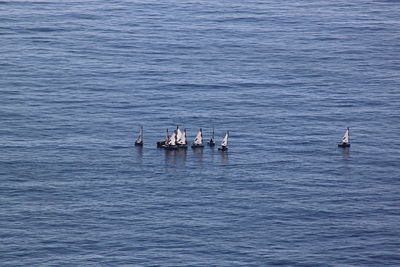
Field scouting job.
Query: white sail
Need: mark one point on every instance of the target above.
(346, 137)
(225, 140)
(181, 137)
(178, 134)
(139, 139)
(172, 139)
(199, 138)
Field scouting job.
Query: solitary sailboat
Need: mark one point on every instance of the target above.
(198, 140)
(139, 139)
(345, 139)
(211, 142)
(224, 143)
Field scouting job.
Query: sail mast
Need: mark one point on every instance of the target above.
(167, 137)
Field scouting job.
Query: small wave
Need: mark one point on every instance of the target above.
(44, 29)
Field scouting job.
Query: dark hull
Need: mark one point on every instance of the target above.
(139, 144)
(161, 144)
(197, 146)
(170, 147)
(223, 148)
(211, 143)
(343, 145)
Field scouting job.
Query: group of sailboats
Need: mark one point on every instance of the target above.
(178, 140)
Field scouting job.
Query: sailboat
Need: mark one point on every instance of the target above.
(162, 143)
(181, 139)
(224, 143)
(139, 139)
(198, 140)
(171, 143)
(345, 139)
(211, 142)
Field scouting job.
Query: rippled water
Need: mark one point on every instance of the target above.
(78, 78)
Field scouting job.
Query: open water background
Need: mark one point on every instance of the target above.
(78, 78)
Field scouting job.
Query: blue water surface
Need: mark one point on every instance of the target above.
(79, 78)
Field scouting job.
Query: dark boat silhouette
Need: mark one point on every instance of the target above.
(211, 142)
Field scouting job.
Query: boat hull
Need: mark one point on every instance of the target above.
(344, 145)
(138, 143)
(197, 146)
(223, 148)
(169, 147)
(160, 144)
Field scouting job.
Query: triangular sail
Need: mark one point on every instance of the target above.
(172, 139)
(199, 138)
(346, 137)
(178, 134)
(181, 137)
(225, 140)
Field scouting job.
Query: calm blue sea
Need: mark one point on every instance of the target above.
(78, 79)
